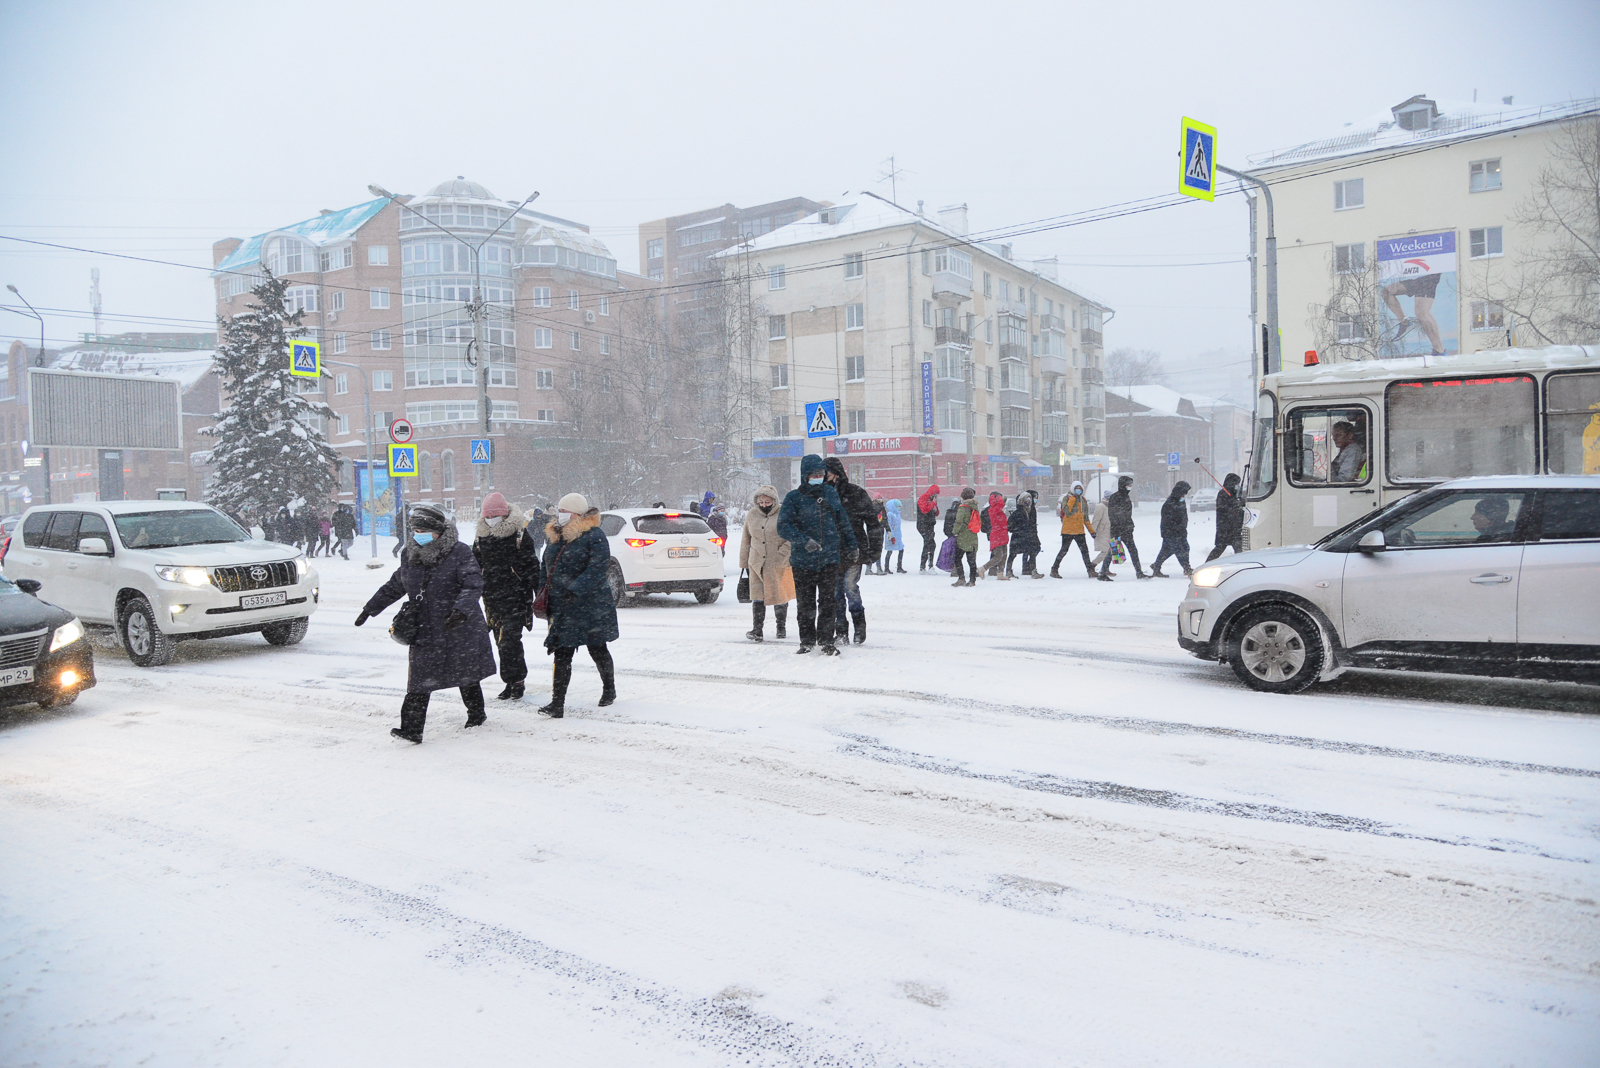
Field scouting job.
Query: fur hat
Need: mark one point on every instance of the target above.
(968, 494)
(576, 503)
(427, 517)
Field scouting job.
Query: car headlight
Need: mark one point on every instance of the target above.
(189, 576)
(302, 565)
(66, 634)
(1217, 574)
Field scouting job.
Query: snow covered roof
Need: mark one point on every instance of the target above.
(461, 187)
(1450, 121)
(842, 220)
(564, 238)
(188, 366)
(334, 227)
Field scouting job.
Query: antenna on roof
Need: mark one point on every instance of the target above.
(892, 175)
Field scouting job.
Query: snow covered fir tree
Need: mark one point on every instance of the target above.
(270, 447)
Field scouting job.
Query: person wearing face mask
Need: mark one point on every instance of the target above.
(452, 646)
(578, 595)
(510, 563)
(764, 553)
(813, 521)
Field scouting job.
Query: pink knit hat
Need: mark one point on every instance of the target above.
(495, 504)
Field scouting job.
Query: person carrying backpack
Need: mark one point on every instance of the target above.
(966, 524)
(927, 522)
(999, 536)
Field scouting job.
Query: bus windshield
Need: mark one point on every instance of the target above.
(1264, 450)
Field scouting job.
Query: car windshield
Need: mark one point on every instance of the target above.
(1359, 521)
(168, 529)
(670, 523)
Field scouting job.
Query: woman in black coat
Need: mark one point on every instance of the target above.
(452, 646)
(1174, 530)
(1024, 527)
(510, 563)
(578, 598)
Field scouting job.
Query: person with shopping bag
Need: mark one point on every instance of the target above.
(764, 555)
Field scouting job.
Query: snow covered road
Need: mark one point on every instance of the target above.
(1019, 827)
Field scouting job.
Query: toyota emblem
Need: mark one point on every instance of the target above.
(259, 573)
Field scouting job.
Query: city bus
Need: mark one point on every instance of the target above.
(1337, 441)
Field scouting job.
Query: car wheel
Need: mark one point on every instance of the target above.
(287, 633)
(1276, 649)
(707, 596)
(618, 584)
(142, 637)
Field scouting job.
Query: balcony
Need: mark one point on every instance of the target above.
(1093, 415)
(951, 287)
(1092, 337)
(1093, 376)
(1053, 365)
(1014, 352)
(1052, 322)
(1016, 398)
(1019, 446)
(952, 335)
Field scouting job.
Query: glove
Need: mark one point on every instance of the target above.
(813, 546)
(362, 618)
(455, 619)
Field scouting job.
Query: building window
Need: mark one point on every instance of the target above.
(605, 383)
(378, 298)
(339, 344)
(1483, 175)
(381, 339)
(336, 300)
(605, 305)
(652, 249)
(927, 313)
(577, 378)
(952, 417)
(425, 472)
(447, 470)
(378, 255)
(988, 379)
(1487, 315)
(334, 259)
(776, 279)
(300, 298)
(855, 316)
(544, 378)
(545, 415)
(1350, 193)
(857, 420)
(341, 384)
(1350, 329)
(1485, 242)
(574, 341)
(855, 368)
(780, 426)
(543, 337)
(988, 425)
(572, 300)
(541, 296)
(777, 327)
(854, 265)
(927, 262)
(382, 381)
(657, 275)
(988, 288)
(780, 376)
(605, 344)
(988, 330)
(344, 424)
(1349, 259)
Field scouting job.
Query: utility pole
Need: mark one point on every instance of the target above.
(44, 452)
(366, 385)
(1273, 355)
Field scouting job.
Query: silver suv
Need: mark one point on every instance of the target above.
(1480, 576)
(162, 572)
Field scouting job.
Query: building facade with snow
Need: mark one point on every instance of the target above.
(1145, 425)
(1415, 231)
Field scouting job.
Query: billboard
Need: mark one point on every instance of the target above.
(379, 510)
(1420, 313)
(81, 409)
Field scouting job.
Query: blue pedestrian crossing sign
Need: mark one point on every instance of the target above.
(305, 359)
(1199, 175)
(402, 461)
(822, 420)
(482, 451)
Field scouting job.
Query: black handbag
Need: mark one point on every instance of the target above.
(744, 587)
(408, 621)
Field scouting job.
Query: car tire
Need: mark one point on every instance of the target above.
(619, 585)
(1276, 648)
(142, 637)
(707, 596)
(289, 632)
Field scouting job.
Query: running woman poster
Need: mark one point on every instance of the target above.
(1417, 285)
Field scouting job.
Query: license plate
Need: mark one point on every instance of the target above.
(263, 600)
(678, 554)
(16, 676)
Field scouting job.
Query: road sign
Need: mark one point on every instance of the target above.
(1174, 461)
(822, 420)
(402, 461)
(1198, 177)
(482, 451)
(305, 359)
(401, 431)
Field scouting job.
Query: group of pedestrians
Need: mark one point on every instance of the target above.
(314, 532)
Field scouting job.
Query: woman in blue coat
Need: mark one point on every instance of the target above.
(581, 610)
(893, 542)
(452, 646)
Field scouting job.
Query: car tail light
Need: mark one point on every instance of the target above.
(717, 541)
(672, 515)
(640, 543)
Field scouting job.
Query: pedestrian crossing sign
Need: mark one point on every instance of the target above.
(482, 451)
(822, 420)
(1199, 174)
(305, 359)
(402, 461)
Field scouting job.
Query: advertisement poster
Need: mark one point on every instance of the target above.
(381, 507)
(1420, 315)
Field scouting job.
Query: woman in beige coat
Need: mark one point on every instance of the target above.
(766, 555)
(1102, 537)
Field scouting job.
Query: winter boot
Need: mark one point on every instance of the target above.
(758, 613)
(413, 716)
(1055, 573)
(781, 614)
(804, 648)
(830, 650)
(859, 618)
(472, 697)
(512, 692)
(900, 563)
(414, 739)
(1156, 572)
(553, 710)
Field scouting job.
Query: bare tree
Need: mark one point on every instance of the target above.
(1126, 368)
(1350, 325)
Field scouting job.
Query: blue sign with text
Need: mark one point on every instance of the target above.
(927, 398)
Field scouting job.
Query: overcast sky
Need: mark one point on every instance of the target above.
(154, 129)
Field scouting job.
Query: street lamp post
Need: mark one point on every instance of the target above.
(366, 386)
(1273, 354)
(44, 452)
(477, 307)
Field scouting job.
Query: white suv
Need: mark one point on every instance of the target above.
(1480, 576)
(653, 551)
(163, 572)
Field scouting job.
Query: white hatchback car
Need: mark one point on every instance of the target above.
(655, 551)
(1480, 576)
(161, 572)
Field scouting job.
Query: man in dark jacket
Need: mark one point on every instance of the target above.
(1230, 518)
(510, 564)
(1174, 530)
(813, 521)
(1119, 513)
(867, 531)
(577, 566)
(344, 529)
(1024, 525)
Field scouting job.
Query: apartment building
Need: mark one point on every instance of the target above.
(385, 287)
(1407, 233)
(951, 360)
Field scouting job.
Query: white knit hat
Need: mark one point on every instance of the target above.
(576, 503)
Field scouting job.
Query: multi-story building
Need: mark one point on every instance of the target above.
(1147, 426)
(1416, 231)
(682, 248)
(950, 360)
(386, 286)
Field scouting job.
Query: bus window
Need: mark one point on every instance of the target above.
(1327, 446)
(1458, 427)
(1264, 451)
(1572, 424)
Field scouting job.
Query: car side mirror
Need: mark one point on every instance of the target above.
(32, 586)
(94, 547)
(1372, 542)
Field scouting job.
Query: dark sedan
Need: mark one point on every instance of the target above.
(45, 657)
